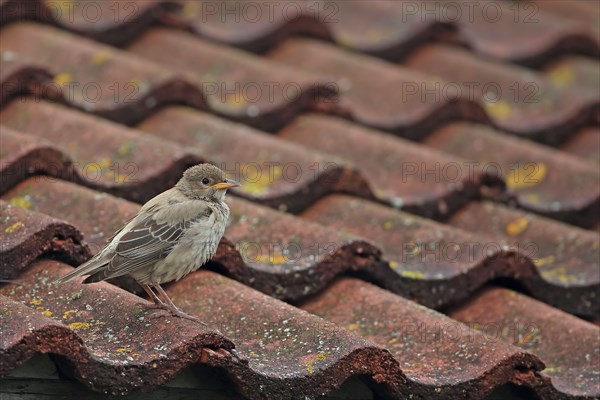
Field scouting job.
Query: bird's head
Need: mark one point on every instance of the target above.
(205, 181)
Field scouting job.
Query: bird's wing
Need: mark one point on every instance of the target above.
(145, 243)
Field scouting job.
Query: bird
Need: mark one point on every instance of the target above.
(173, 234)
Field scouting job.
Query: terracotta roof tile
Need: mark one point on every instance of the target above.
(103, 215)
(567, 345)
(22, 155)
(565, 256)
(110, 351)
(528, 33)
(273, 172)
(538, 178)
(237, 84)
(108, 21)
(255, 26)
(291, 353)
(105, 154)
(430, 94)
(26, 235)
(288, 257)
(98, 78)
(516, 99)
(441, 357)
(525, 33)
(402, 174)
(575, 72)
(436, 264)
(364, 84)
(19, 76)
(585, 144)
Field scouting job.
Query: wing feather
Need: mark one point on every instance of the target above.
(146, 243)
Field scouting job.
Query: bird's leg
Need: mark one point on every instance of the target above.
(172, 307)
(158, 303)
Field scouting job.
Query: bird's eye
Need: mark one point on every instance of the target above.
(205, 181)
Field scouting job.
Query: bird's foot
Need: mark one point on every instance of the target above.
(178, 313)
(164, 310)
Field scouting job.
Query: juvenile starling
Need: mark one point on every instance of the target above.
(172, 235)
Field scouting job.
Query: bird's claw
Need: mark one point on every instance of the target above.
(165, 311)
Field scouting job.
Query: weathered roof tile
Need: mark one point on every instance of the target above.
(567, 345)
(537, 178)
(525, 33)
(22, 155)
(237, 84)
(108, 21)
(441, 357)
(516, 99)
(437, 265)
(430, 94)
(574, 72)
(290, 352)
(113, 352)
(27, 235)
(585, 144)
(98, 78)
(402, 174)
(105, 154)
(565, 256)
(530, 33)
(274, 172)
(364, 84)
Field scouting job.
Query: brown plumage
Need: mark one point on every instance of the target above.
(172, 235)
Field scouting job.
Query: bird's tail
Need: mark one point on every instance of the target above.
(91, 266)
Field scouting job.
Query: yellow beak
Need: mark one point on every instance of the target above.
(229, 183)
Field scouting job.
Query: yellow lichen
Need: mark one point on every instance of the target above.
(526, 175)
(14, 227)
(559, 274)
(551, 369)
(275, 259)
(562, 75)
(412, 274)
(21, 202)
(125, 149)
(236, 100)
(47, 313)
(392, 340)
(310, 367)
(101, 57)
(388, 225)
(517, 226)
(63, 78)
(259, 184)
(123, 350)
(352, 327)
(190, 9)
(35, 302)
(393, 264)
(544, 261)
(68, 313)
(499, 109)
(79, 325)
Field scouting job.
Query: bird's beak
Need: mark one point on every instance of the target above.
(229, 183)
